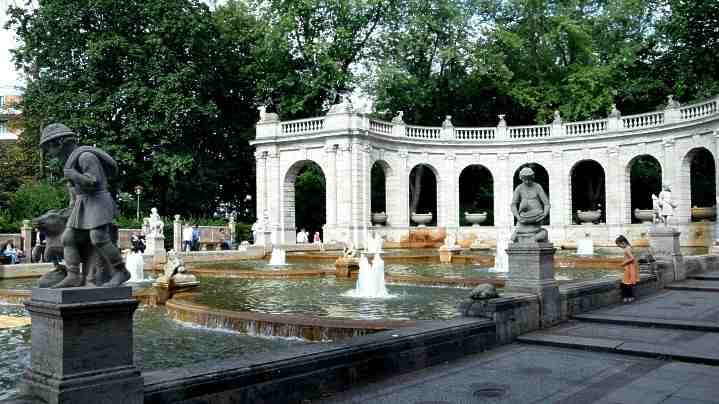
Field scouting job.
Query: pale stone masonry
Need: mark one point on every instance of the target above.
(346, 144)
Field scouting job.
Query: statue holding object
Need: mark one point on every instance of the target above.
(86, 238)
(663, 205)
(530, 205)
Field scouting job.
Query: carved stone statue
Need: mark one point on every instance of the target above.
(663, 205)
(530, 206)
(157, 227)
(87, 233)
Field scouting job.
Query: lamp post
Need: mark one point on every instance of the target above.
(138, 191)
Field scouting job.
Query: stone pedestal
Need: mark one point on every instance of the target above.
(26, 235)
(82, 348)
(531, 270)
(177, 234)
(346, 266)
(156, 247)
(664, 244)
(446, 254)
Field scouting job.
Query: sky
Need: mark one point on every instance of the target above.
(9, 78)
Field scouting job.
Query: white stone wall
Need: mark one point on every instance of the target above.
(346, 145)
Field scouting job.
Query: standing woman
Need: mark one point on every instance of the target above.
(631, 271)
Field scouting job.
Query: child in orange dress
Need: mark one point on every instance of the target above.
(631, 272)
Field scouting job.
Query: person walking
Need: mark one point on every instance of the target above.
(631, 271)
(187, 239)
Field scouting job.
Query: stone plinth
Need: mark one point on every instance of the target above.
(156, 247)
(82, 348)
(446, 253)
(664, 244)
(531, 270)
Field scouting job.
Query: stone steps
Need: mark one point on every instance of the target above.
(706, 326)
(695, 285)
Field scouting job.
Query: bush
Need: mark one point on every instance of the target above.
(29, 201)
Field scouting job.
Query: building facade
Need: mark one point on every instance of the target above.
(346, 144)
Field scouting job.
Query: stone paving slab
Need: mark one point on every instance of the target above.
(535, 374)
(712, 326)
(685, 345)
(695, 284)
(669, 305)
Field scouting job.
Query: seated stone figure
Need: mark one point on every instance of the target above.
(530, 205)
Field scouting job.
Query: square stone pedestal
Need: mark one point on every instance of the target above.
(531, 270)
(664, 244)
(82, 348)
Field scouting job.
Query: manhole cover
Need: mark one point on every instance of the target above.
(535, 370)
(489, 390)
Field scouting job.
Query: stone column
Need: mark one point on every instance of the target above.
(331, 191)
(450, 194)
(614, 191)
(681, 194)
(531, 270)
(403, 192)
(177, 234)
(26, 235)
(274, 196)
(82, 348)
(560, 215)
(344, 190)
(261, 183)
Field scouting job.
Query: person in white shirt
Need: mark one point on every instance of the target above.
(187, 238)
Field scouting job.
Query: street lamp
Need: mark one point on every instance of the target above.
(138, 191)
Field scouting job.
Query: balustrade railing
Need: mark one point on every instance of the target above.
(586, 128)
(699, 110)
(303, 126)
(529, 132)
(381, 127)
(498, 133)
(648, 120)
(475, 133)
(423, 132)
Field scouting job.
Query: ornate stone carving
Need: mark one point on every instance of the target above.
(530, 205)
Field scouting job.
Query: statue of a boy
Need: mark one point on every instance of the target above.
(87, 171)
(530, 206)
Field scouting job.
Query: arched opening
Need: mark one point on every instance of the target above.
(702, 181)
(379, 173)
(645, 179)
(541, 177)
(476, 194)
(305, 198)
(588, 192)
(423, 192)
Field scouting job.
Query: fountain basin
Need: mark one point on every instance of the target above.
(704, 214)
(422, 219)
(589, 216)
(646, 216)
(476, 218)
(379, 218)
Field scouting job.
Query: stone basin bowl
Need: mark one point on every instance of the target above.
(476, 218)
(644, 215)
(379, 218)
(589, 216)
(421, 218)
(704, 214)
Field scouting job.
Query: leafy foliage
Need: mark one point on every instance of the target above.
(31, 200)
(310, 199)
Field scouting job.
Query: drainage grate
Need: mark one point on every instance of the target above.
(489, 390)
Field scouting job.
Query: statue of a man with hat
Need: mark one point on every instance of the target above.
(92, 207)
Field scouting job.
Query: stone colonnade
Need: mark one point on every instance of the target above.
(345, 145)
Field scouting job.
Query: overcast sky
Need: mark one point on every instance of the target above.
(9, 79)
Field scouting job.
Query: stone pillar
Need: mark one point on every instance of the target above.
(614, 191)
(664, 244)
(177, 234)
(261, 183)
(331, 191)
(403, 192)
(531, 270)
(560, 198)
(450, 194)
(82, 348)
(26, 235)
(275, 197)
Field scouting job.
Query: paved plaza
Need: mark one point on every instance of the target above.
(661, 349)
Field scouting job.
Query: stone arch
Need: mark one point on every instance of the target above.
(288, 200)
(541, 176)
(476, 196)
(696, 185)
(643, 177)
(380, 174)
(587, 185)
(428, 182)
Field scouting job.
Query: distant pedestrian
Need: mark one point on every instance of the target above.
(317, 239)
(187, 239)
(195, 237)
(631, 271)
(10, 252)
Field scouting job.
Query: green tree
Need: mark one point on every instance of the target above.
(310, 197)
(155, 83)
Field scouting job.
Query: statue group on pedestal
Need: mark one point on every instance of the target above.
(663, 205)
(84, 229)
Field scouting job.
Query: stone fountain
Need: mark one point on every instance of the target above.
(370, 280)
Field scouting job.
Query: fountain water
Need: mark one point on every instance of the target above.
(370, 281)
(278, 257)
(374, 244)
(136, 266)
(585, 246)
(501, 259)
